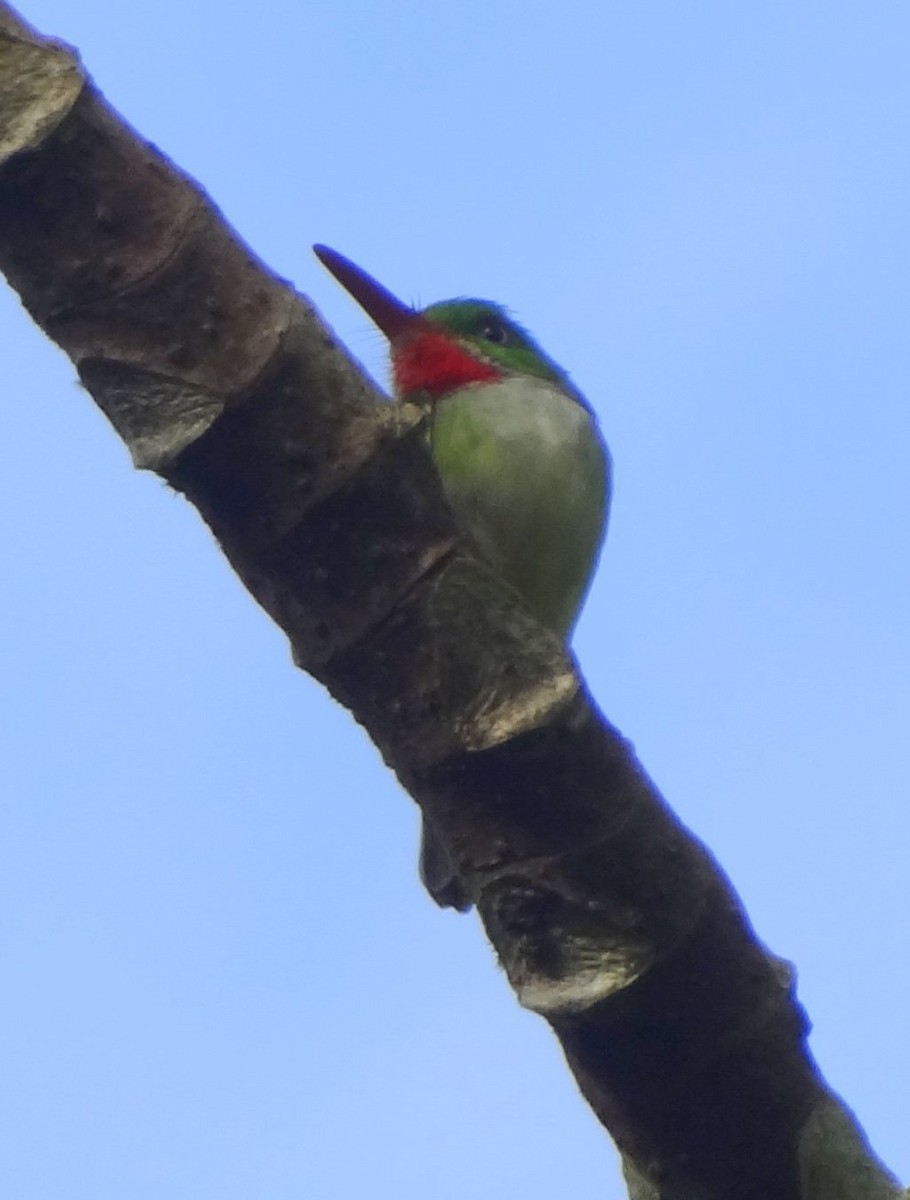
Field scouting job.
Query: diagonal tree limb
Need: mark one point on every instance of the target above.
(610, 919)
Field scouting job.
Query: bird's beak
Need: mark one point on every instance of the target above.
(388, 312)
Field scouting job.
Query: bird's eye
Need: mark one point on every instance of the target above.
(492, 331)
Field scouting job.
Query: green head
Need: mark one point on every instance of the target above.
(487, 330)
(448, 345)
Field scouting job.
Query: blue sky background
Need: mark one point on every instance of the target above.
(220, 976)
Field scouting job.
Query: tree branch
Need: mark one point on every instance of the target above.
(609, 918)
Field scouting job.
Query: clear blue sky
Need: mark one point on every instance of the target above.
(220, 976)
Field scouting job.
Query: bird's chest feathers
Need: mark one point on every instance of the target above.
(524, 470)
(487, 438)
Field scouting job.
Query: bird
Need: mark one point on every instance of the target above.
(523, 464)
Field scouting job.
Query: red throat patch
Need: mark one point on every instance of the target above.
(432, 362)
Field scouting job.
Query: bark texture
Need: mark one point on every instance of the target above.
(611, 920)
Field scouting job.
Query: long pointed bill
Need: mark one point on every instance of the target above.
(388, 312)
